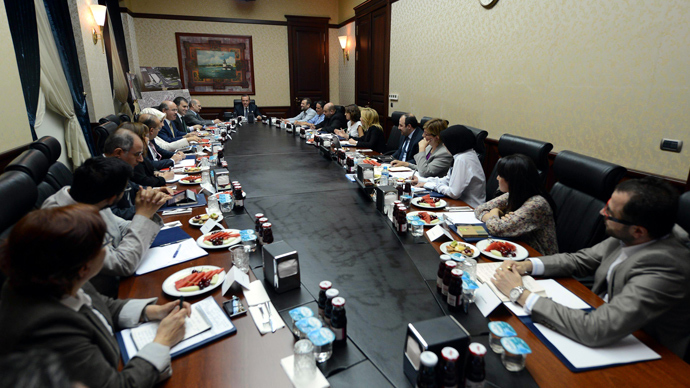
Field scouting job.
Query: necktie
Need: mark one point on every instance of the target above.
(154, 152)
(246, 112)
(403, 156)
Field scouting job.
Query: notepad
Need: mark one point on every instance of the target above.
(195, 324)
(485, 271)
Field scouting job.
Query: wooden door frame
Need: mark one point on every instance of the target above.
(306, 21)
(361, 10)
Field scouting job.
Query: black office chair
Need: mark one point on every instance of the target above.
(31, 162)
(239, 102)
(19, 194)
(424, 121)
(102, 132)
(50, 147)
(58, 176)
(394, 136)
(479, 146)
(44, 190)
(536, 150)
(112, 118)
(584, 184)
(684, 211)
(124, 118)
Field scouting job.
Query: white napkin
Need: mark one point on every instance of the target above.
(319, 381)
(258, 318)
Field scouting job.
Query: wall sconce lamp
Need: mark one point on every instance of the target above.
(343, 44)
(98, 12)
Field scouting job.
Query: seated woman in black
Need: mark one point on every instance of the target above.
(373, 132)
(48, 302)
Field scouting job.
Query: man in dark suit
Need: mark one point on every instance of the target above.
(173, 129)
(410, 136)
(182, 108)
(192, 117)
(334, 119)
(246, 108)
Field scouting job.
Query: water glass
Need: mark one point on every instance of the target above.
(515, 353)
(199, 148)
(323, 343)
(227, 201)
(240, 258)
(304, 367)
(205, 177)
(212, 205)
(469, 266)
(417, 228)
(297, 314)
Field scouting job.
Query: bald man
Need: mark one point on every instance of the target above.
(334, 119)
(192, 117)
(171, 130)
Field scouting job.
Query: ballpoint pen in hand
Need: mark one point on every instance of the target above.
(181, 301)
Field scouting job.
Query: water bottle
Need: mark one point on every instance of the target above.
(384, 176)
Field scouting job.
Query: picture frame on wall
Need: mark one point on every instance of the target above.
(216, 64)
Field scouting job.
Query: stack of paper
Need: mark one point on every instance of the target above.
(197, 323)
(164, 256)
(485, 272)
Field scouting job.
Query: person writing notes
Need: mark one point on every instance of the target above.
(465, 180)
(526, 210)
(48, 302)
(373, 137)
(433, 158)
(642, 272)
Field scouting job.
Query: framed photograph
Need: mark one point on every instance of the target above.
(216, 64)
(160, 78)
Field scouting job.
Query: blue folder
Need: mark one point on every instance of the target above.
(200, 201)
(170, 236)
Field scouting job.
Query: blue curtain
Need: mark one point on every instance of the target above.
(61, 25)
(21, 16)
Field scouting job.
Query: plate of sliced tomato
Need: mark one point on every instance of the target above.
(427, 218)
(191, 180)
(219, 239)
(194, 280)
(502, 250)
(428, 202)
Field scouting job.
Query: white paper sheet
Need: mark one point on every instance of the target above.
(462, 218)
(401, 174)
(256, 293)
(195, 324)
(627, 350)
(176, 178)
(485, 299)
(186, 163)
(436, 232)
(264, 328)
(319, 381)
(161, 257)
(235, 275)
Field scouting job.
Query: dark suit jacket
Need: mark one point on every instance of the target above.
(192, 118)
(180, 126)
(166, 133)
(143, 175)
(165, 161)
(239, 110)
(330, 124)
(124, 208)
(373, 138)
(412, 147)
(89, 352)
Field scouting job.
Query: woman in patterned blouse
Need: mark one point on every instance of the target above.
(525, 210)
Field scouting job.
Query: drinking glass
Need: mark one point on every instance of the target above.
(240, 258)
(305, 363)
(417, 228)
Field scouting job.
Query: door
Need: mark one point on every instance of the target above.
(308, 58)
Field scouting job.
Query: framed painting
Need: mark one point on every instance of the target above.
(216, 64)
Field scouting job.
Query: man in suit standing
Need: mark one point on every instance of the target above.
(192, 117)
(333, 120)
(642, 272)
(246, 107)
(411, 135)
(182, 108)
(172, 130)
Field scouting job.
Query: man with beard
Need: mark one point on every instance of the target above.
(642, 272)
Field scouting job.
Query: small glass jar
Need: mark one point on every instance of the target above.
(307, 325)
(322, 338)
(262, 221)
(267, 233)
(297, 314)
(499, 330)
(417, 228)
(257, 222)
(515, 353)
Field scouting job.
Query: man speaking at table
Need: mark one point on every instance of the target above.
(642, 271)
(246, 107)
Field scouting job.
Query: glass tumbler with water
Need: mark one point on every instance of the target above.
(322, 339)
(305, 365)
(240, 258)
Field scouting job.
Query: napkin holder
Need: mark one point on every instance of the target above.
(365, 171)
(281, 266)
(289, 127)
(381, 193)
(433, 335)
(303, 133)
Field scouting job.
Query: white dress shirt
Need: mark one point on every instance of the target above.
(465, 180)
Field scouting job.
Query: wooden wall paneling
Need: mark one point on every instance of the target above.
(212, 113)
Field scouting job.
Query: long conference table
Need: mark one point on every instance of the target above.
(387, 280)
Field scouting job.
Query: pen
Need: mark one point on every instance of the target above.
(177, 251)
(181, 300)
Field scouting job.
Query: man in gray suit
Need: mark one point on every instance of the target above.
(642, 272)
(192, 117)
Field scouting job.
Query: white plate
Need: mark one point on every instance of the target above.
(439, 205)
(169, 283)
(219, 219)
(434, 222)
(520, 253)
(188, 183)
(193, 173)
(200, 241)
(176, 178)
(444, 249)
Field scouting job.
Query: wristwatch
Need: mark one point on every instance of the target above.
(516, 293)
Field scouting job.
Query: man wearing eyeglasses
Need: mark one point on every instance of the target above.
(642, 272)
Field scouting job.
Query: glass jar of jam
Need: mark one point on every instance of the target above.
(440, 273)
(257, 222)
(407, 190)
(350, 164)
(450, 265)
(267, 233)
(239, 196)
(454, 298)
(323, 287)
(262, 221)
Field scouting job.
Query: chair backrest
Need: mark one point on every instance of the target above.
(684, 211)
(584, 184)
(59, 176)
(112, 118)
(423, 121)
(102, 132)
(394, 136)
(239, 102)
(31, 162)
(341, 109)
(44, 190)
(479, 146)
(536, 150)
(18, 192)
(124, 118)
(50, 147)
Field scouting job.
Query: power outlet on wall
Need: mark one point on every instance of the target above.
(671, 145)
(393, 96)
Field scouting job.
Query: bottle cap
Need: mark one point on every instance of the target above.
(450, 354)
(325, 285)
(338, 302)
(259, 215)
(444, 257)
(428, 359)
(262, 220)
(457, 273)
(451, 264)
(332, 293)
(266, 225)
(477, 349)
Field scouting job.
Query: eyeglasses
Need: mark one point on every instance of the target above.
(138, 154)
(608, 216)
(426, 134)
